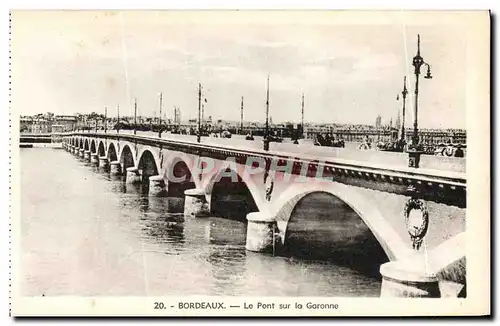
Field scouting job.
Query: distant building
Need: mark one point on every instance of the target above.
(58, 128)
(378, 122)
(41, 126)
(177, 115)
(25, 124)
(68, 122)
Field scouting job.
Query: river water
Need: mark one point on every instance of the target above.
(85, 233)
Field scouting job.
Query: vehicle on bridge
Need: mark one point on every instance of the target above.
(392, 146)
(449, 149)
(328, 141)
(274, 138)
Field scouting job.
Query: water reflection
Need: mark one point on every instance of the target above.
(133, 189)
(225, 253)
(221, 231)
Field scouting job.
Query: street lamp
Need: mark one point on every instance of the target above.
(415, 150)
(241, 117)
(198, 138)
(266, 136)
(135, 116)
(418, 62)
(161, 100)
(403, 131)
(118, 119)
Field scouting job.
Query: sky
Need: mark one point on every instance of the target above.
(350, 70)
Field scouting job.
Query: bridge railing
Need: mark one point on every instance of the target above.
(307, 147)
(449, 185)
(226, 144)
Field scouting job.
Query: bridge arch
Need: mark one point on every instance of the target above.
(86, 144)
(101, 149)
(147, 164)
(232, 194)
(92, 146)
(80, 143)
(178, 170)
(155, 151)
(126, 157)
(350, 219)
(112, 152)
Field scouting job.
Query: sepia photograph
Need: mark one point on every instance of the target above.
(244, 163)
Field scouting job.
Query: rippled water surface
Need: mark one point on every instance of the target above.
(85, 233)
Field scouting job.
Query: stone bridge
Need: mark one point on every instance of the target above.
(406, 223)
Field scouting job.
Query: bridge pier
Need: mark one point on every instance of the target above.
(115, 168)
(260, 232)
(74, 150)
(86, 155)
(94, 158)
(157, 186)
(133, 175)
(195, 203)
(80, 152)
(399, 280)
(103, 162)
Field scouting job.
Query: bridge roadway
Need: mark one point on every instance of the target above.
(306, 146)
(369, 197)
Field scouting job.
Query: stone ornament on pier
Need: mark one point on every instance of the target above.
(86, 155)
(133, 175)
(260, 232)
(157, 186)
(115, 168)
(195, 203)
(81, 152)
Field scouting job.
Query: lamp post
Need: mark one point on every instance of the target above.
(302, 117)
(203, 111)
(404, 93)
(198, 138)
(135, 116)
(118, 117)
(161, 99)
(105, 119)
(241, 117)
(266, 136)
(415, 151)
